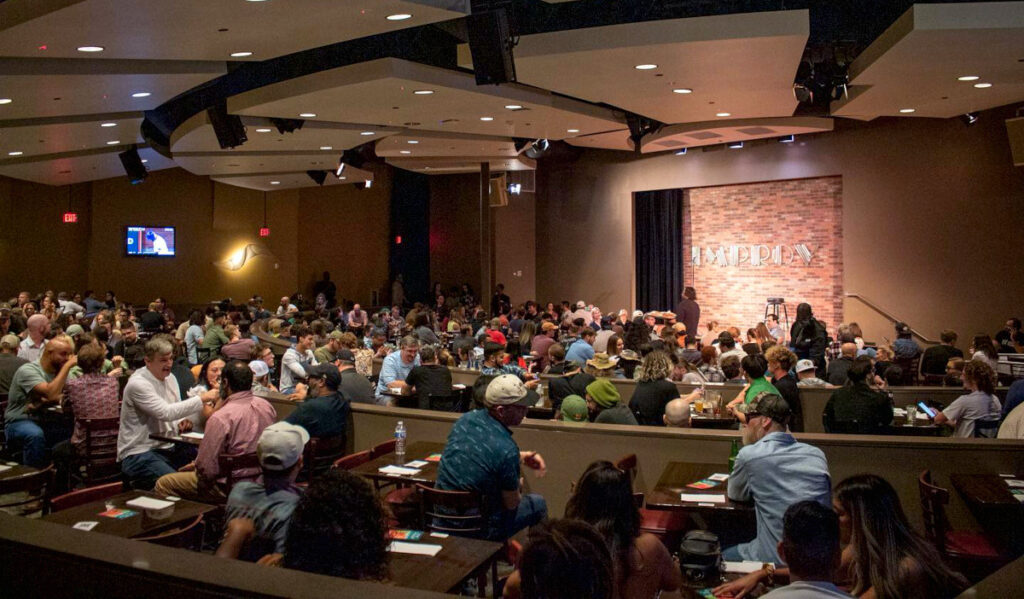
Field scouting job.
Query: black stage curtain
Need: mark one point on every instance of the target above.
(658, 229)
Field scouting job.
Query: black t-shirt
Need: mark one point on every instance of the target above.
(935, 358)
(790, 392)
(649, 400)
(152, 322)
(323, 416)
(432, 379)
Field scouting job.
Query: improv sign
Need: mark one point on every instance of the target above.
(799, 254)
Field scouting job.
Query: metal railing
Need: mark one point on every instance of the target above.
(888, 315)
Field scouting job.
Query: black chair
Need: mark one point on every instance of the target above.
(446, 403)
(986, 429)
(31, 487)
(320, 454)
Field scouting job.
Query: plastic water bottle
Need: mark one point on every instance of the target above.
(400, 439)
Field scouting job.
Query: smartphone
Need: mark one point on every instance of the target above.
(926, 409)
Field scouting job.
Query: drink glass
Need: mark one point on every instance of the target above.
(699, 406)
(911, 415)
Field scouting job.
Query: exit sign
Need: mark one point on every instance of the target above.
(71, 217)
(264, 231)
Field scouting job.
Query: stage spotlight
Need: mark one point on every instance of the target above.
(133, 166)
(318, 177)
(538, 149)
(681, 152)
(970, 118)
(228, 128)
(787, 139)
(287, 125)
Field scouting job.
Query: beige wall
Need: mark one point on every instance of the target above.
(929, 211)
(514, 247)
(454, 231)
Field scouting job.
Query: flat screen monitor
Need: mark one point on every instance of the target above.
(149, 241)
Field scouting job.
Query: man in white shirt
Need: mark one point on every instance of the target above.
(32, 346)
(69, 307)
(296, 358)
(152, 405)
(357, 317)
(286, 307)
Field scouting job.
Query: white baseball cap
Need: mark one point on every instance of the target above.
(259, 368)
(281, 445)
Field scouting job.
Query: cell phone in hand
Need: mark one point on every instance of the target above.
(927, 410)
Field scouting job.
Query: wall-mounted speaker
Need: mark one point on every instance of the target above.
(133, 166)
(490, 43)
(228, 128)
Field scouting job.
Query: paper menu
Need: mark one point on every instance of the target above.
(416, 464)
(701, 498)
(148, 503)
(398, 470)
(1015, 483)
(743, 567)
(414, 548)
(719, 477)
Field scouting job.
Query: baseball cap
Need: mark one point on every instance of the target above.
(5, 307)
(804, 365)
(259, 368)
(336, 334)
(280, 445)
(574, 409)
(345, 355)
(506, 390)
(10, 341)
(771, 405)
(328, 372)
(603, 392)
(548, 326)
(74, 330)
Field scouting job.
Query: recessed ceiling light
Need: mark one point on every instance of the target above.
(113, 143)
(645, 67)
(240, 54)
(982, 85)
(263, 129)
(90, 48)
(682, 90)
(404, 152)
(968, 78)
(414, 141)
(108, 125)
(15, 153)
(399, 16)
(272, 182)
(423, 92)
(367, 133)
(307, 115)
(326, 147)
(573, 130)
(514, 107)
(487, 118)
(5, 100)
(723, 114)
(907, 110)
(141, 95)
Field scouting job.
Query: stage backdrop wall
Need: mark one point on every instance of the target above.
(745, 243)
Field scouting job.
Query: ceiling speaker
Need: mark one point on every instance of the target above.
(490, 43)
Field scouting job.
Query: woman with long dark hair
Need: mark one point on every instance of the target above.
(984, 349)
(603, 498)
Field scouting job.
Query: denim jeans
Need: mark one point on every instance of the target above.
(732, 554)
(532, 510)
(143, 469)
(34, 440)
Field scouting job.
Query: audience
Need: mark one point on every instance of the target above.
(215, 336)
(295, 360)
(653, 390)
(9, 361)
(806, 375)
(429, 378)
(563, 559)
(35, 386)
(808, 338)
(396, 368)
(754, 367)
(780, 362)
(31, 347)
(856, 407)
(838, 368)
(980, 404)
(91, 395)
(574, 409)
(810, 546)
(582, 350)
(936, 357)
(324, 411)
(480, 455)
(982, 348)
(605, 407)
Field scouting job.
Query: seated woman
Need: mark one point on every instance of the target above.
(709, 365)
(979, 404)
(883, 556)
(563, 559)
(208, 388)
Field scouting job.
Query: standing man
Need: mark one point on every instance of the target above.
(152, 405)
(481, 456)
(35, 386)
(238, 420)
(688, 312)
(500, 303)
(774, 471)
(396, 368)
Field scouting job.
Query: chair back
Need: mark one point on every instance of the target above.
(627, 464)
(446, 403)
(31, 487)
(189, 536)
(933, 510)
(458, 512)
(986, 429)
(99, 450)
(320, 453)
(238, 467)
(910, 367)
(382, 449)
(82, 496)
(352, 460)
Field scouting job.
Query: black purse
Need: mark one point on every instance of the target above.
(700, 557)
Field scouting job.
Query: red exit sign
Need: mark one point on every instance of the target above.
(71, 217)
(264, 231)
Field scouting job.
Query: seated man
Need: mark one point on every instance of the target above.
(677, 411)
(396, 367)
(34, 387)
(238, 419)
(326, 353)
(296, 358)
(9, 361)
(807, 376)
(130, 347)
(481, 456)
(215, 336)
(429, 378)
(582, 350)
(354, 387)
(152, 404)
(324, 412)
(838, 368)
(258, 512)
(937, 356)
(857, 408)
(605, 407)
(774, 471)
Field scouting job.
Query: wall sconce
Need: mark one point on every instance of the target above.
(242, 256)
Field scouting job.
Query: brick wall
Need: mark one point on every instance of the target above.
(760, 240)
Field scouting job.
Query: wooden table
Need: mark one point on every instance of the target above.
(995, 508)
(138, 525)
(905, 430)
(418, 450)
(459, 558)
(190, 441)
(714, 422)
(16, 470)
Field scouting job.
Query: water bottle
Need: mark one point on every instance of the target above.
(400, 439)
